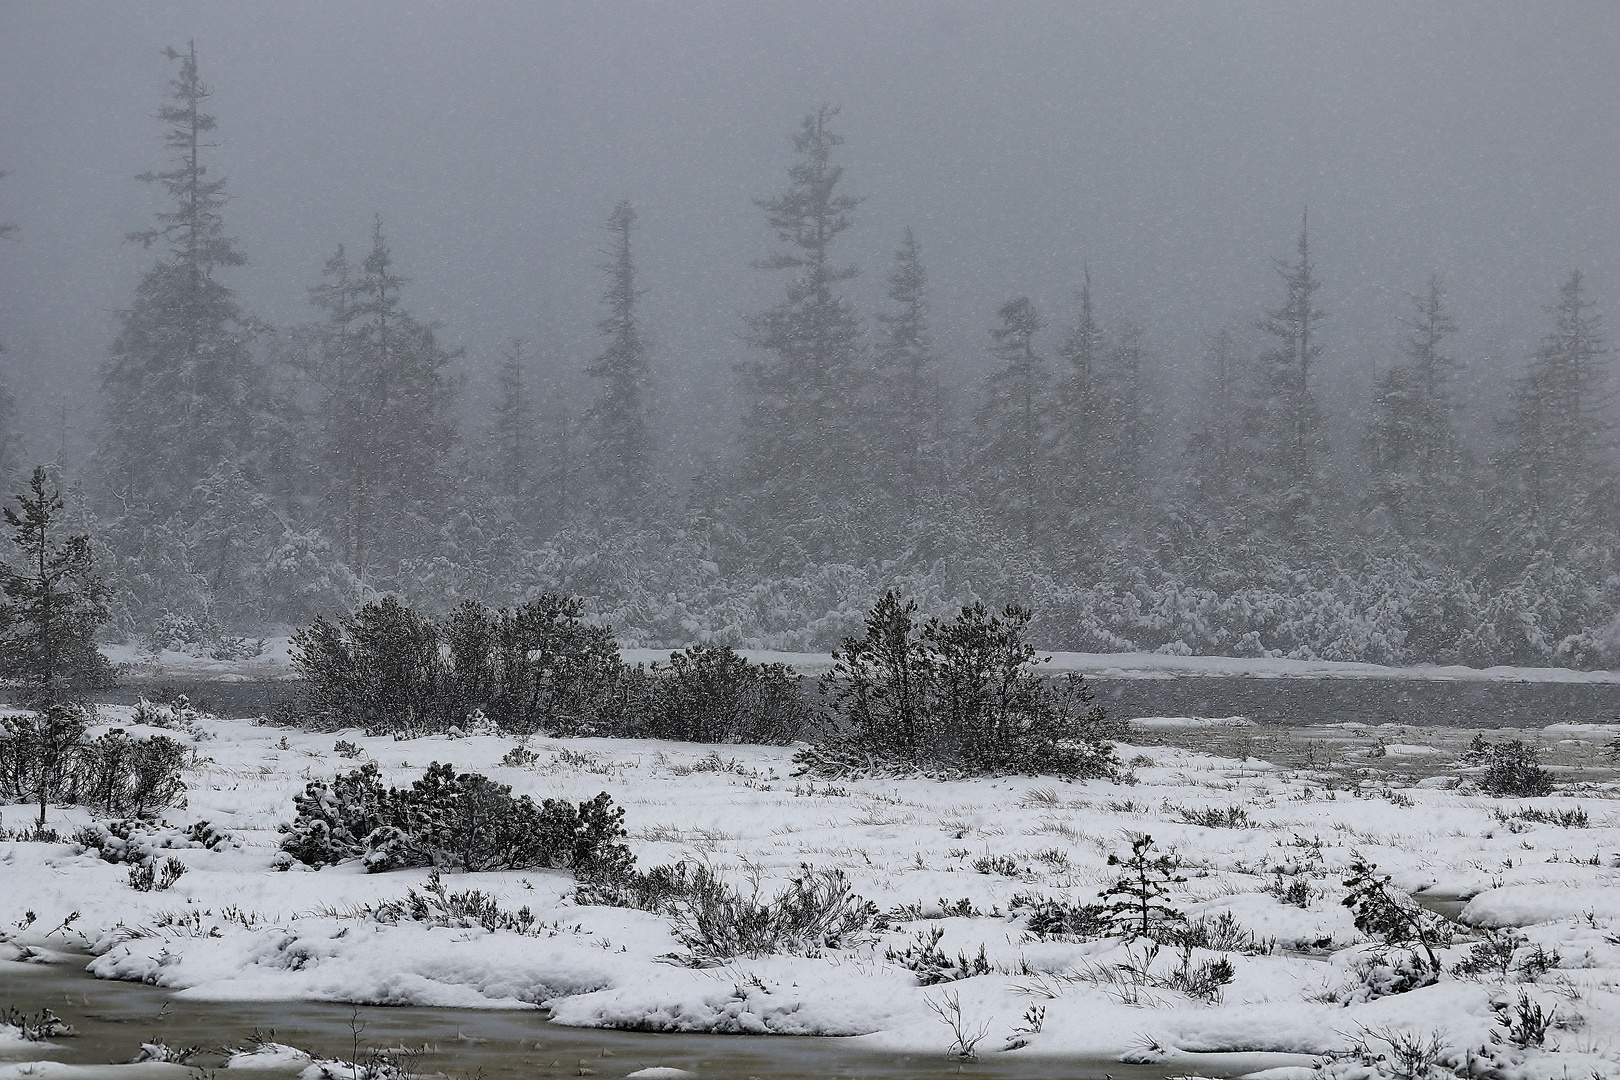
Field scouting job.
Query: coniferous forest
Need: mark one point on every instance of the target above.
(248, 477)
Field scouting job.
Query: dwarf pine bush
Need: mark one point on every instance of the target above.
(710, 694)
(462, 821)
(958, 693)
(1511, 769)
(537, 667)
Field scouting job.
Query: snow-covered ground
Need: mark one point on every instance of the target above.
(273, 661)
(235, 927)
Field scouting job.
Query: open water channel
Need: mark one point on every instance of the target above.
(113, 1019)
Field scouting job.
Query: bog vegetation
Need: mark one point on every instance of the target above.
(249, 477)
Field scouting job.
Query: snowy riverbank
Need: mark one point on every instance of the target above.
(234, 927)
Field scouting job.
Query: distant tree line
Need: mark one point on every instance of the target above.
(247, 476)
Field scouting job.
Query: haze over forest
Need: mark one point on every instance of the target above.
(1169, 151)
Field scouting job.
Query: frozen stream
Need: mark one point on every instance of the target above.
(113, 1019)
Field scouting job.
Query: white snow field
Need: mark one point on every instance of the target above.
(1306, 983)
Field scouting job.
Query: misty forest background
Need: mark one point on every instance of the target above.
(242, 477)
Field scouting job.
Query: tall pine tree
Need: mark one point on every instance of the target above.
(1558, 439)
(183, 394)
(1418, 456)
(1283, 421)
(620, 448)
(802, 435)
(385, 408)
(1014, 419)
(1078, 415)
(906, 394)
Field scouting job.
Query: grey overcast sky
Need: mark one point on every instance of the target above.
(1169, 146)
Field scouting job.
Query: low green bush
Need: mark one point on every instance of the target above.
(461, 821)
(961, 695)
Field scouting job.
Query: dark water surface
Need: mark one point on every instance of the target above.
(1420, 702)
(114, 1018)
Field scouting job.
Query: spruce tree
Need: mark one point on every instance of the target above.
(1558, 438)
(1078, 416)
(54, 603)
(1283, 421)
(620, 448)
(802, 431)
(906, 390)
(183, 393)
(385, 410)
(1418, 456)
(1013, 421)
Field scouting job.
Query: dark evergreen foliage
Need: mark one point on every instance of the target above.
(1283, 421)
(462, 821)
(709, 694)
(802, 437)
(1511, 769)
(959, 693)
(53, 603)
(1135, 906)
(121, 776)
(39, 752)
(1418, 457)
(1014, 420)
(383, 408)
(182, 390)
(1390, 916)
(906, 409)
(621, 443)
(228, 505)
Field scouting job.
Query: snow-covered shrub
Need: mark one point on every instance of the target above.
(930, 962)
(1511, 769)
(1059, 921)
(519, 757)
(1390, 916)
(122, 776)
(178, 715)
(138, 843)
(447, 819)
(1379, 971)
(715, 921)
(435, 905)
(333, 820)
(1218, 933)
(37, 1027)
(539, 667)
(818, 910)
(160, 1051)
(152, 876)
(961, 693)
(38, 754)
(205, 834)
(1524, 1022)
(710, 694)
